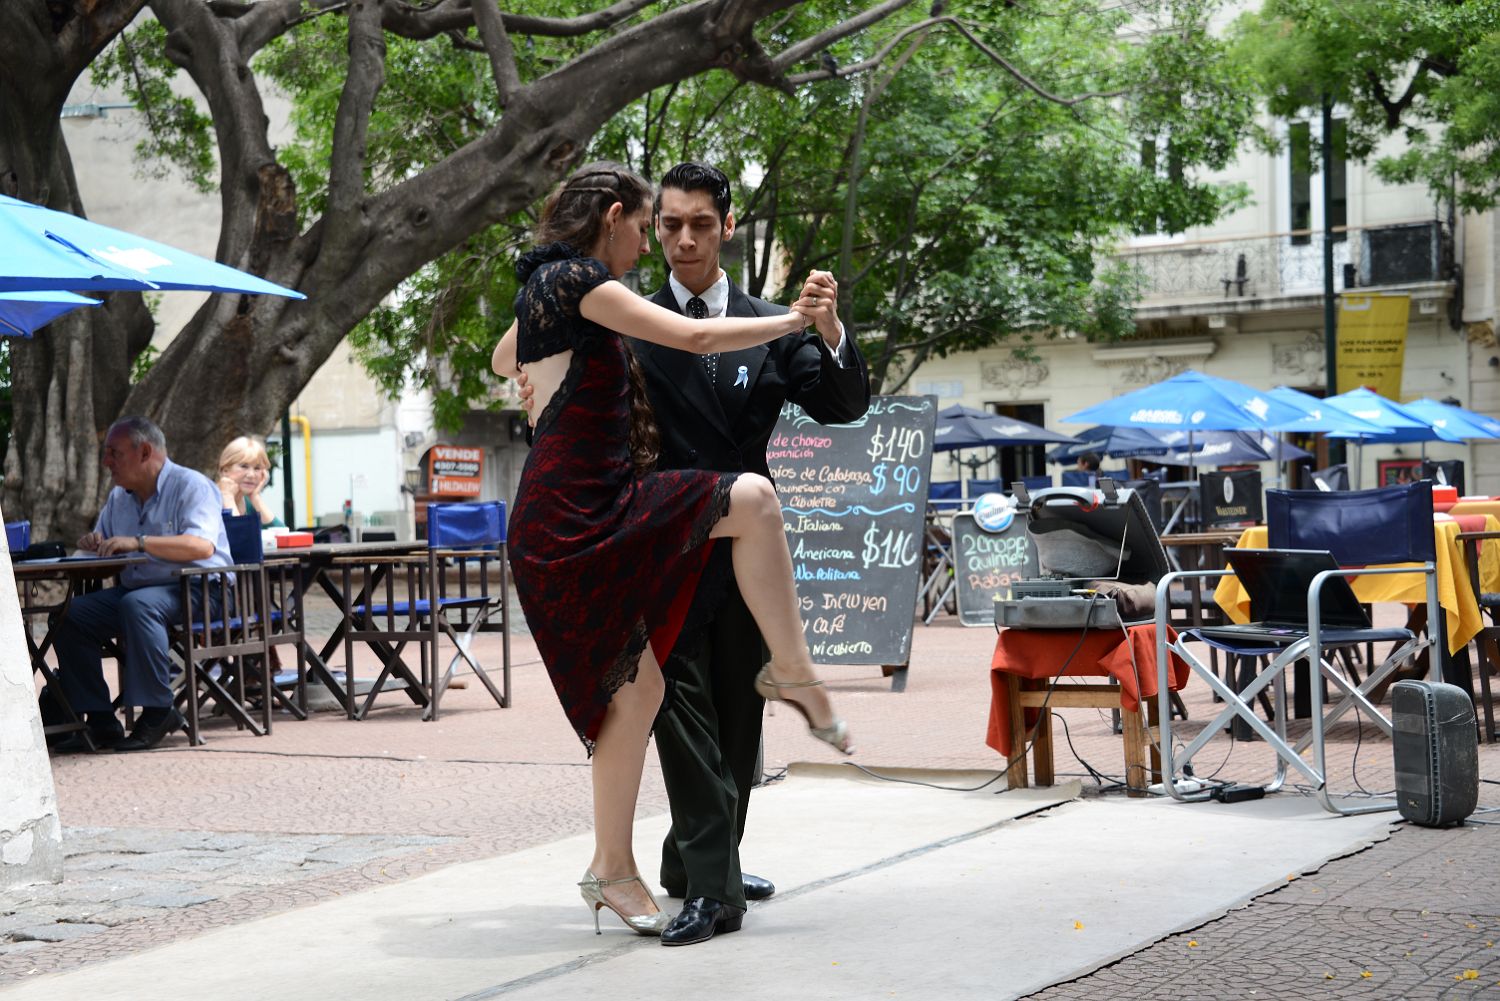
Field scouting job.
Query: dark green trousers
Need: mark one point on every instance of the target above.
(708, 739)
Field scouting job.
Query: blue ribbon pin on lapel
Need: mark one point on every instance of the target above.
(742, 377)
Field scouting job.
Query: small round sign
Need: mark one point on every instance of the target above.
(994, 512)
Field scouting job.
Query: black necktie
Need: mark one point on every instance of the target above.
(698, 310)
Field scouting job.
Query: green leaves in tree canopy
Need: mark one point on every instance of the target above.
(1425, 70)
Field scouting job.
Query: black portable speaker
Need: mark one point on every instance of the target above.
(1436, 747)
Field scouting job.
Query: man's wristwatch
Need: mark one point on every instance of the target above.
(140, 542)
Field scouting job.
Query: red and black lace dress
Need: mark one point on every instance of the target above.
(603, 558)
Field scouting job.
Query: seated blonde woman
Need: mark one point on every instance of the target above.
(244, 468)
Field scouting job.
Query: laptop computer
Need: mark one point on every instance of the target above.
(1277, 581)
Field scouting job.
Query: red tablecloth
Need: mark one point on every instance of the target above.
(1039, 653)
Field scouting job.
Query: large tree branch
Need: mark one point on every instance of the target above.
(497, 46)
(346, 173)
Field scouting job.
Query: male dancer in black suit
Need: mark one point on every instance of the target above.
(718, 412)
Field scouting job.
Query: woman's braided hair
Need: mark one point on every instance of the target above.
(574, 214)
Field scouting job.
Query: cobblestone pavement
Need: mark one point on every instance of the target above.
(169, 843)
(1414, 917)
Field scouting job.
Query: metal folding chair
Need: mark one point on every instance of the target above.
(1363, 530)
(459, 589)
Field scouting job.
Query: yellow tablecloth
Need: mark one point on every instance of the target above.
(1454, 592)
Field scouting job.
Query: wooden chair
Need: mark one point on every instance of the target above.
(222, 638)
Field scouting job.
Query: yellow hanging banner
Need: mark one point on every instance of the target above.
(1372, 342)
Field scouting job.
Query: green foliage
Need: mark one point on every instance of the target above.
(177, 133)
(1426, 71)
(142, 364)
(981, 213)
(959, 207)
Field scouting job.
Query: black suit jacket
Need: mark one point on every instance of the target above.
(698, 432)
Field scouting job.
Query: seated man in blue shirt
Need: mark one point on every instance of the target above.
(172, 516)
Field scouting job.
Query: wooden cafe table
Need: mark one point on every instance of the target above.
(1023, 666)
(315, 565)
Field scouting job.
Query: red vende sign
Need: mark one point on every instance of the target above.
(454, 470)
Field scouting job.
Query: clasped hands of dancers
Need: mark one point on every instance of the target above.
(590, 510)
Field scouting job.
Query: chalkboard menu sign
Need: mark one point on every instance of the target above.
(985, 564)
(853, 499)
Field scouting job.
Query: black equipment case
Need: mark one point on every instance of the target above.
(1083, 535)
(1436, 747)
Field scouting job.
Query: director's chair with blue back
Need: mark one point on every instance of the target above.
(17, 536)
(459, 589)
(1365, 531)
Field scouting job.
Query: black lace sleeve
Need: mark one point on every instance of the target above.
(547, 307)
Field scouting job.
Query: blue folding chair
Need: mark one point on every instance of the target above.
(17, 536)
(976, 488)
(459, 590)
(945, 495)
(1364, 530)
(222, 639)
(1076, 478)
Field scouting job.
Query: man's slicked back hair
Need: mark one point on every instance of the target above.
(698, 177)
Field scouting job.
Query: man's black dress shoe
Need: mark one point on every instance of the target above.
(700, 919)
(103, 739)
(147, 735)
(757, 887)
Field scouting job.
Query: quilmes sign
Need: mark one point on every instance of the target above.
(454, 470)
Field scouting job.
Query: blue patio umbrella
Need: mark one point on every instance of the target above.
(1232, 448)
(1119, 442)
(1398, 423)
(1464, 423)
(1320, 415)
(964, 427)
(1191, 401)
(41, 249)
(23, 312)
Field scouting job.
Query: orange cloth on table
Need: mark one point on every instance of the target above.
(1455, 595)
(1039, 653)
(1490, 506)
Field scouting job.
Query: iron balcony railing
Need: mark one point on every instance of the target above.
(1290, 264)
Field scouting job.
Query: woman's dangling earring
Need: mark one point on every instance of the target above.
(611, 237)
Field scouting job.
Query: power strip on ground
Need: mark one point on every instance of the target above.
(1184, 787)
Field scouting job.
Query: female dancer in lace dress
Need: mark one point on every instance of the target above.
(606, 553)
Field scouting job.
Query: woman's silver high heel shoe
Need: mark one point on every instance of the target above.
(592, 889)
(835, 734)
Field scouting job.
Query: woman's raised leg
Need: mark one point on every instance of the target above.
(619, 758)
(763, 569)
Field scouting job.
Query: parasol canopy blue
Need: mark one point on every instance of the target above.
(1321, 416)
(41, 249)
(1191, 401)
(1399, 425)
(1118, 442)
(21, 313)
(964, 427)
(1464, 423)
(1231, 448)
